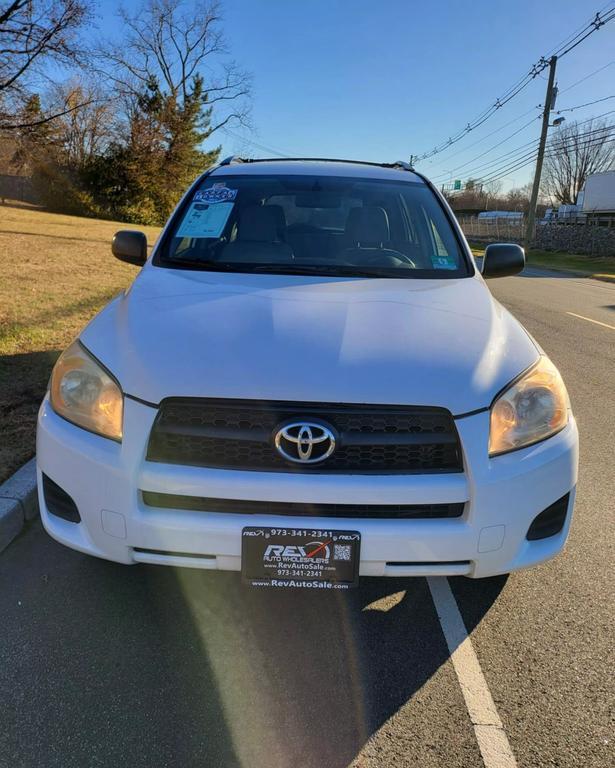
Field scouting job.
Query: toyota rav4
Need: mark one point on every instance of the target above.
(309, 381)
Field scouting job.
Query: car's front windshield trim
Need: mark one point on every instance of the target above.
(464, 266)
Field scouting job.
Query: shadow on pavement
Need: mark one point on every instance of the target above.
(104, 665)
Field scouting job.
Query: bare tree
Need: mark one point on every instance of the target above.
(518, 198)
(573, 154)
(34, 31)
(172, 43)
(88, 126)
(491, 190)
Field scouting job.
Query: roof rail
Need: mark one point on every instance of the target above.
(401, 164)
(231, 159)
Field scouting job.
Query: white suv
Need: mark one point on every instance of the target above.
(309, 381)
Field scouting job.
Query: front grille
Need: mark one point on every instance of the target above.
(238, 434)
(296, 509)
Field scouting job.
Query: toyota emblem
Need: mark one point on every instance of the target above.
(304, 442)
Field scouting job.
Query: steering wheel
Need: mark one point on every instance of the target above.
(394, 258)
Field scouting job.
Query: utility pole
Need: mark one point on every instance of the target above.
(546, 116)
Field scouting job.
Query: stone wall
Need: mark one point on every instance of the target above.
(576, 238)
(571, 238)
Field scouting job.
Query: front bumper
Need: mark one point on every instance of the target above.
(502, 496)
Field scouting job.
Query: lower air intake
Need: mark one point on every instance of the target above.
(58, 502)
(363, 511)
(550, 521)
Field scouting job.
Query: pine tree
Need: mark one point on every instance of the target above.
(161, 157)
(36, 141)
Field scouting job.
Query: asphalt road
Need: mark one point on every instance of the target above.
(103, 665)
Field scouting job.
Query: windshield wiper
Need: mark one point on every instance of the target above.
(316, 269)
(329, 270)
(207, 265)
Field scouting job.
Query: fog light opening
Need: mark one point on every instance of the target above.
(58, 502)
(550, 521)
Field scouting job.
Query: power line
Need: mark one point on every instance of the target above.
(573, 34)
(605, 138)
(587, 104)
(594, 26)
(591, 74)
(253, 143)
(534, 143)
(530, 145)
(508, 157)
(526, 154)
(601, 18)
(524, 164)
(486, 136)
(528, 157)
(519, 117)
(495, 146)
(498, 104)
(598, 22)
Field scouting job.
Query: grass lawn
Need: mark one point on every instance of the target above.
(576, 262)
(57, 272)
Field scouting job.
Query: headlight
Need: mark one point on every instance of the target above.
(83, 392)
(532, 409)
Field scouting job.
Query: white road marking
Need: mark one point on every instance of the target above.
(589, 320)
(488, 729)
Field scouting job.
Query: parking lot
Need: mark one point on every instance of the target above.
(105, 665)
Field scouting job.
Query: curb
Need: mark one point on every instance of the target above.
(575, 273)
(18, 502)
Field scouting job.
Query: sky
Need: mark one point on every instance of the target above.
(382, 80)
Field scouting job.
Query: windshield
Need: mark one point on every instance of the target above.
(314, 225)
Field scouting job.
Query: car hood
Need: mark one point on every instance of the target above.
(442, 342)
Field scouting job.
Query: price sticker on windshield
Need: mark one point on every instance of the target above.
(205, 220)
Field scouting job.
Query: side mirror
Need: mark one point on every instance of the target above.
(130, 245)
(502, 260)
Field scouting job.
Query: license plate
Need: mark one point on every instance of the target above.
(300, 557)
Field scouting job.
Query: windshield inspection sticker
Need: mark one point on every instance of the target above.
(443, 262)
(216, 194)
(205, 220)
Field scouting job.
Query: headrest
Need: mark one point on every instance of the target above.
(280, 219)
(368, 225)
(258, 224)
